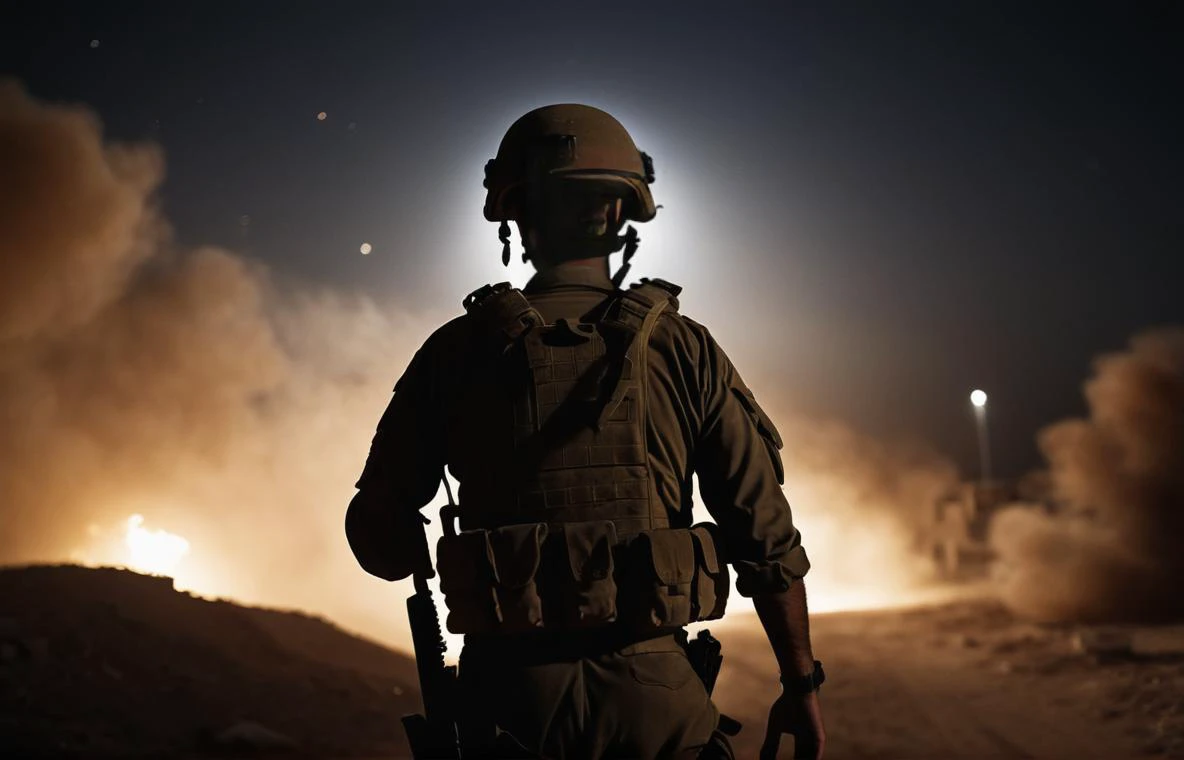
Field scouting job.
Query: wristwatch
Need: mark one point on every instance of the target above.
(802, 685)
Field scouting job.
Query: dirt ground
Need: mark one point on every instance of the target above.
(963, 681)
(111, 664)
(106, 663)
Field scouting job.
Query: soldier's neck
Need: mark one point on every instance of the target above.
(595, 263)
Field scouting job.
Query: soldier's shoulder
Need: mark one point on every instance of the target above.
(449, 339)
(677, 330)
(456, 329)
(440, 345)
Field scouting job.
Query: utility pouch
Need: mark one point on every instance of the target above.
(467, 579)
(588, 596)
(489, 578)
(664, 565)
(712, 582)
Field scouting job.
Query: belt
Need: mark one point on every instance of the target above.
(540, 647)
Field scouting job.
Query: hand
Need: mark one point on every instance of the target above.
(800, 716)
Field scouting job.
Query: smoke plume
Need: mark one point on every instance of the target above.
(1110, 550)
(179, 384)
(862, 505)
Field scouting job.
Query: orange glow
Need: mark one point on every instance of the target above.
(153, 551)
(157, 552)
(856, 599)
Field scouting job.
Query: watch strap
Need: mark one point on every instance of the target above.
(803, 685)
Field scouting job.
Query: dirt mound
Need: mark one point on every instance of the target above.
(107, 662)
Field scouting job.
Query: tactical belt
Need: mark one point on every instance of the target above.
(545, 646)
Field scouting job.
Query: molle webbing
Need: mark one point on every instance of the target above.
(578, 397)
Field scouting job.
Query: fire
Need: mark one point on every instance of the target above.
(130, 544)
(153, 551)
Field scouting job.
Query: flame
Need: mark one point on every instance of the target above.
(153, 551)
(129, 544)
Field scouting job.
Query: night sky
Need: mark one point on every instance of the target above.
(874, 208)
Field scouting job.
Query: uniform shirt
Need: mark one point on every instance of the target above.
(702, 420)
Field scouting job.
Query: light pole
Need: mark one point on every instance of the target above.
(978, 399)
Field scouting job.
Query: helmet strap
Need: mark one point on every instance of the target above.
(630, 240)
(503, 234)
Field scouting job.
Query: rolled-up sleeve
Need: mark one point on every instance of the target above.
(738, 461)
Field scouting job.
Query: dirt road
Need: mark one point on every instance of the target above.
(962, 681)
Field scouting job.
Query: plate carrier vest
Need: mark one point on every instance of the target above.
(575, 536)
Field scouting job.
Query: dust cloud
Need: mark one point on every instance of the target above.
(138, 377)
(183, 385)
(862, 505)
(1108, 549)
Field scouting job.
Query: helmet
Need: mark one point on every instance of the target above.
(568, 141)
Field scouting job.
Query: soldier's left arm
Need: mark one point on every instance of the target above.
(402, 474)
(738, 461)
(740, 471)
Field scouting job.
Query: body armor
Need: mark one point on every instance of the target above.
(560, 525)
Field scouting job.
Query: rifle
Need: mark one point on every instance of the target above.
(432, 735)
(706, 656)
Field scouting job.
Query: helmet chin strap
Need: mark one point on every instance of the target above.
(603, 247)
(585, 247)
(503, 234)
(629, 240)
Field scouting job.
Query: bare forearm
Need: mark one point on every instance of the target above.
(787, 624)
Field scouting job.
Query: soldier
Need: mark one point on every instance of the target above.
(574, 414)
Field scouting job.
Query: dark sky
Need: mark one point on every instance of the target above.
(875, 206)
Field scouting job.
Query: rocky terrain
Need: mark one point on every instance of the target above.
(109, 663)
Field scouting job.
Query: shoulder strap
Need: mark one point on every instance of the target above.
(635, 312)
(502, 312)
(643, 299)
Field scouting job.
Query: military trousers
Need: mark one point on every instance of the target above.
(639, 701)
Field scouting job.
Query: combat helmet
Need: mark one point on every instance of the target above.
(568, 141)
(574, 141)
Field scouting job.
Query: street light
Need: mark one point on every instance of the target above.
(978, 399)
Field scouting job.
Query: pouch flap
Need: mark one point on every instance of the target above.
(763, 423)
(516, 551)
(465, 560)
(673, 554)
(705, 537)
(764, 426)
(590, 549)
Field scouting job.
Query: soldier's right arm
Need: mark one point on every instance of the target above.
(402, 474)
